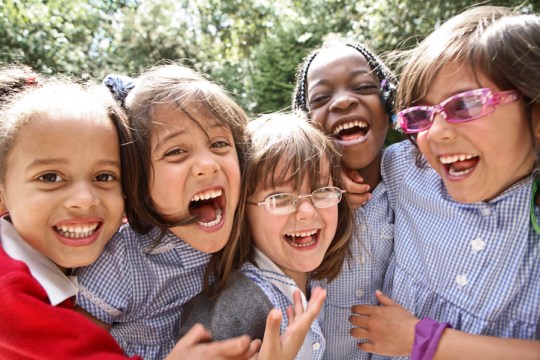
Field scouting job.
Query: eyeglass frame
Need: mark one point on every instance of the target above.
(297, 199)
(489, 97)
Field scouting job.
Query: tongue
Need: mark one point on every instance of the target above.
(302, 240)
(465, 164)
(352, 134)
(205, 212)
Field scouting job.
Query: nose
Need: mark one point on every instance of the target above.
(305, 209)
(83, 196)
(343, 101)
(205, 166)
(441, 130)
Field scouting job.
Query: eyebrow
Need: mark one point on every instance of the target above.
(353, 74)
(169, 135)
(60, 161)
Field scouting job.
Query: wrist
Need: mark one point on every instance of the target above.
(427, 334)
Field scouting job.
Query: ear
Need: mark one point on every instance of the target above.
(536, 124)
(3, 206)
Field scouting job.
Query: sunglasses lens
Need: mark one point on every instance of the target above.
(415, 120)
(326, 197)
(465, 108)
(280, 204)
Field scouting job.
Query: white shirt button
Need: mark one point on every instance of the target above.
(361, 228)
(359, 293)
(485, 211)
(461, 280)
(316, 345)
(477, 245)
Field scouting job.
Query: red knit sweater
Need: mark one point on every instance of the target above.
(31, 328)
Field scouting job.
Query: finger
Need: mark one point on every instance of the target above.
(234, 347)
(354, 175)
(359, 333)
(357, 200)
(290, 314)
(359, 320)
(272, 339)
(298, 307)
(367, 347)
(318, 295)
(365, 310)
(383, 299)
(196, 334)
(253, 349)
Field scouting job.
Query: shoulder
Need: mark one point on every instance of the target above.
(232, 313)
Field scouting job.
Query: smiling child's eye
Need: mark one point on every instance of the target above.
(50, 177)
(220, 144)
(105, 177)
(318, 100)
(367, 88)
(174, 152)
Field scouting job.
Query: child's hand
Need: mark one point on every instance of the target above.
(389, 329)
(195, 345)
(288, 345)
(357, 193)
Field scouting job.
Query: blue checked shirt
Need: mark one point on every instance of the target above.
(364, 273)
(279, 288)
(139, 288)
(476, 266)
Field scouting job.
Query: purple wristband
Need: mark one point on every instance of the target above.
(427, 334)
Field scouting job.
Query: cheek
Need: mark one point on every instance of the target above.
(423, 145)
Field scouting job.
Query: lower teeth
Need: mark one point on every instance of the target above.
(454, 172)
(209, 224)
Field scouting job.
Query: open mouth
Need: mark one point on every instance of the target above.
(302, 239)
(350, 130)
(208, 207)
(459, 164)
(77, 231)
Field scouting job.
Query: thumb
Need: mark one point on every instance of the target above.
(196, 334)
(383, 299)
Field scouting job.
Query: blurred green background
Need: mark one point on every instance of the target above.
(252, 47)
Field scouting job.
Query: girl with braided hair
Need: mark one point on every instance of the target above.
(348, 92)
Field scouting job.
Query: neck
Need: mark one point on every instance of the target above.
(372, 173)
(300, 278)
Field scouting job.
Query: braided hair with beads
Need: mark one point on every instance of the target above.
(385, 76)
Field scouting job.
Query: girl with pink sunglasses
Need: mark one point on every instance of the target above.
(467, 249)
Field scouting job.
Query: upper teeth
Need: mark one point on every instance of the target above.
(205, 195)
(453, 158)
(303, 233)
(77, 230)
(349, 125)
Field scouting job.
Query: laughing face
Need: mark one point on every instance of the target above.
(479, 159)
(295, 242)
(344, 98)
(195, 172)
(62, 185)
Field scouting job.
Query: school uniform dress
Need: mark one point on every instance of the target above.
(140, 288)
(476, 266)
(36, 308)
(243, 306)
(360, 276)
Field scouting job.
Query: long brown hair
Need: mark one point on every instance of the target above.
(284, 149)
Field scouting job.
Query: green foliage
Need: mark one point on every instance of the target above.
(253, 47)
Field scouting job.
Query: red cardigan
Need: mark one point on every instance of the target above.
(31, 328)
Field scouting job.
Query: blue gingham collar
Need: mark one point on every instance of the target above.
(277, 277)
(187, 255)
